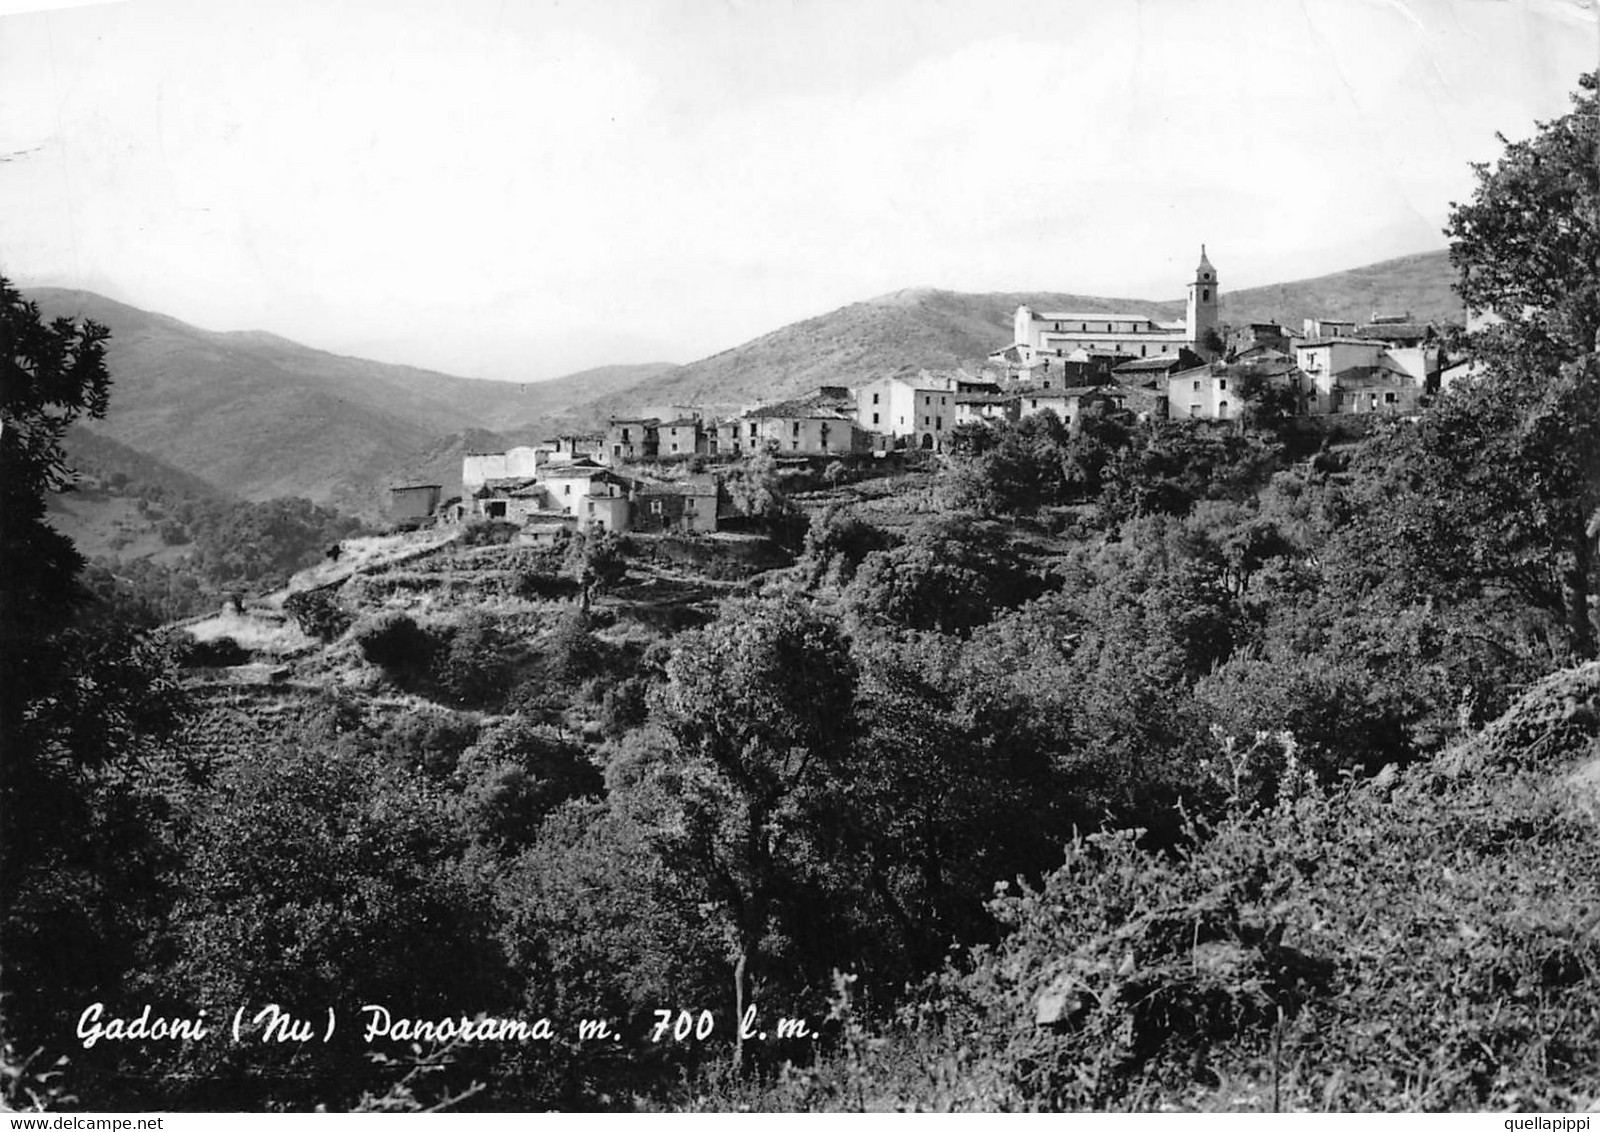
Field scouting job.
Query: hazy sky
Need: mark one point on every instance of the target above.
(519, 190)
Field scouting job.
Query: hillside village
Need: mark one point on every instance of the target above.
(1068, 363)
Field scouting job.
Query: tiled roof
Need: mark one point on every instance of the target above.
(674, 487)
(575, 471)
(1397, 331)
(1152, 365)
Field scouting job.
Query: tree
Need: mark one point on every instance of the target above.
(50, 376)
(1527, 246)
(1527, 249)
(79, 849)
(948, 576)
(759, 712)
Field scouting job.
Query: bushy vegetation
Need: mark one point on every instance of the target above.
(228, 545)
(1267, 782)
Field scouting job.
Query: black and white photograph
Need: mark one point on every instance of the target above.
(795, 556)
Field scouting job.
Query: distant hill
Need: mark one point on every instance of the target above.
(260, 416)
(1421, 285)
(940, 330)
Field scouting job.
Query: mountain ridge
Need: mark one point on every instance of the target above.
(259, 415)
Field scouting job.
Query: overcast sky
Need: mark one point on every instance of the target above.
(520, 190)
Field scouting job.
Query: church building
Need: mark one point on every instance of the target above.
(1043, 337)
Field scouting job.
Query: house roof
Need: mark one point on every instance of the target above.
(576, 470)
(503, 485)
(1080, 390)
(1398, 331)
(1338, 340)
(1164, 363)
(417, 487)
(675, 487)
(1262, 353)
(982, 398)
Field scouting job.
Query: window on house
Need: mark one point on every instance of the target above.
(874, 398)
(938, 423)
(1194, 410)
(1197, 387)
(1223, 384)
(566, 489)
(795, 445)
(925, 421)
(655, 507)
(1390, 398)
(874, 418)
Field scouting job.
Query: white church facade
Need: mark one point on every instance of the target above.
(1040, 336)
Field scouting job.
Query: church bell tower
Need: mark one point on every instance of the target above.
(1202, 316)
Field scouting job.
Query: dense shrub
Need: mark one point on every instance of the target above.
(318, 613)
(395, 643)
(220, 652)
(490, 532)
(471, 666)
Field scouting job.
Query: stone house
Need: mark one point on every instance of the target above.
(681, 437)
(409, 502)
(512, 499)
(688, 505)
(822, 424)
(915, 411)
(632, 439)
(985, 408)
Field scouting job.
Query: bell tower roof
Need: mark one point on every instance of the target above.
(1205, 270)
